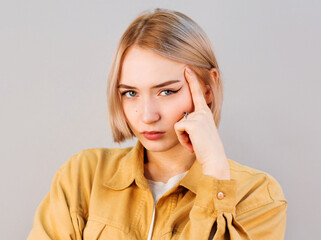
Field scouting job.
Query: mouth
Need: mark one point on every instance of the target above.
(153, 135)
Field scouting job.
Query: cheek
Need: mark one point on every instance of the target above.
(181, 104)
(129, 112)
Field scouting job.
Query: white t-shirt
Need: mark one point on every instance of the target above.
(159, 189)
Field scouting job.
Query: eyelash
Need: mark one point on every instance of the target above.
(172, 92)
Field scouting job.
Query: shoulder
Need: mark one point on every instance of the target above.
(84, 164)
(255, 188)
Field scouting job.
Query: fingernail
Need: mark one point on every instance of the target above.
(188, 70)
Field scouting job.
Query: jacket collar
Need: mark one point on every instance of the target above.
(191, 179)
(131, 168)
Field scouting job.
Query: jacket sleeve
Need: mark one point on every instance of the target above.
(57, 217)
(213, 215)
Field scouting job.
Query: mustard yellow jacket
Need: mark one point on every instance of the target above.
(102, 194)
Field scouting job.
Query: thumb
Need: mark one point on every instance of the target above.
(182, 135)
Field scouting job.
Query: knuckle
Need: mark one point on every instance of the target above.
(203, 111)
(178, 125)
(193, 127)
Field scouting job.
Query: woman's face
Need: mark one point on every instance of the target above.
(154, 96)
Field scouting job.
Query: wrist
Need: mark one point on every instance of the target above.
(219, 172)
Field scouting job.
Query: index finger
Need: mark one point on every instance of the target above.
(195, 87)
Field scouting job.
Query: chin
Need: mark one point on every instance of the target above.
(160, 145)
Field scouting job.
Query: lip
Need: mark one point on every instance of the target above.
(153, 135)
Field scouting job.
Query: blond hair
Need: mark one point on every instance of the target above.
(175, 36)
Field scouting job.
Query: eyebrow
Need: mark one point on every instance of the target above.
(156, 86)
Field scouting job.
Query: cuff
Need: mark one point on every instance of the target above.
(217, 195)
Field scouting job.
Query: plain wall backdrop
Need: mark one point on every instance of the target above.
(54, 61)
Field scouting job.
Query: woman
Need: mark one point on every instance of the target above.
(165, 89)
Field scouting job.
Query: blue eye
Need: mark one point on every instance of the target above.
(167, 92)
(129, 94)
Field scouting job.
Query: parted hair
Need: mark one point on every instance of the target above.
(170, 34)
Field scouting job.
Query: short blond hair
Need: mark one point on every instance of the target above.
(170, 34)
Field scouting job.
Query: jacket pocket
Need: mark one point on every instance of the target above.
(97, 230)
(93, 230)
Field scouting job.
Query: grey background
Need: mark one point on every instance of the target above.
(54, 61)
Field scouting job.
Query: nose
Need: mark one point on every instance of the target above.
(149, 111)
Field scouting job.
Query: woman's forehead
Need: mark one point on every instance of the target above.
(141, 65)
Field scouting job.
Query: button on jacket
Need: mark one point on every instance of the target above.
(102, 193)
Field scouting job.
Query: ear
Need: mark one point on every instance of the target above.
(208, 93)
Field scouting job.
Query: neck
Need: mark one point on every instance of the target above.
(161, 166)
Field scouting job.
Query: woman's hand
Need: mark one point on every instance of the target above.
(198, 133)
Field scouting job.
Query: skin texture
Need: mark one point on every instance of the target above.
(161, 109)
